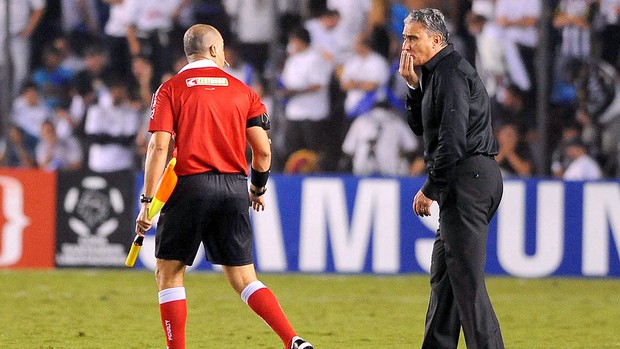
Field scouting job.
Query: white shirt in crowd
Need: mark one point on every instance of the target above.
(29, 117)
(353, 14)
(19, 12)
(575, 40)
(322, 39)
(118, 19)
(376, 141)
(73, 16)
(119, 121)
(371, 68)
(65, 153)
(255, 20)
(148, 15)
(583, 168)
(609, 11)
(302, 70)
(518, 9)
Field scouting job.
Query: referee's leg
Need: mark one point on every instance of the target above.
(261, 300)
(169, 275)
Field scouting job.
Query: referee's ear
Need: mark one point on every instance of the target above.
(213, 51)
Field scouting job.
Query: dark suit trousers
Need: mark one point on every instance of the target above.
(459, 296)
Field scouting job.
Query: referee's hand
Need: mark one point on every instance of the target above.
(258, 202)
(143, 223)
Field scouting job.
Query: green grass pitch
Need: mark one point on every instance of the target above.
(66, 309)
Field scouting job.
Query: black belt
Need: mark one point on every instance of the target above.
(485, 155)
(467, 157)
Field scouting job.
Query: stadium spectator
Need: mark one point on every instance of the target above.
(80, 21)
(573, 18)
(353, 21)
(305, 78)
(590, 131)
(28, 113)
(559, 162)
(609, 31)
(142, 70)
(25, 16)
(65, 123)
(514, 157)
(241, 69)
(150, 24)
(97, 71)
(489, 56)
(256, 26)
(51, 79)
(70, 60)
(581, 166)
(20, 149)
(111, 129)
(380, 143)
(519, 20)
(142, 73)
(510, 107)
(323, 36)
(364, 78)
(214, 13)
(609, 122)
(115, 35)
(54, 153)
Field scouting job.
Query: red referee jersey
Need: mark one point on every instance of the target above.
(207, 110)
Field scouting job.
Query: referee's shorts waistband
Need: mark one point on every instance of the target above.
(216, 173)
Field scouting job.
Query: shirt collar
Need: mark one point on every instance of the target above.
(432, 63)
(203, 63)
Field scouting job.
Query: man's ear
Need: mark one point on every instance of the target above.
(213, 50)
(437, 39)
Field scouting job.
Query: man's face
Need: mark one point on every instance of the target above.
(419, 43)
(295, 45)
(119, 94)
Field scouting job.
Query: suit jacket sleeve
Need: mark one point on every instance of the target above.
(414, 111)
(452, 109)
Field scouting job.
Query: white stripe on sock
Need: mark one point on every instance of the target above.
(250, 289)
(171, 295)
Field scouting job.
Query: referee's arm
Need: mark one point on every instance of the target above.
(261, 148)
(261, 163)
(156, 157)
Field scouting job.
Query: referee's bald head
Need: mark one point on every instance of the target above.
(202, 41)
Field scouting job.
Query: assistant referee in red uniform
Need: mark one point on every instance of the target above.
(211, 116)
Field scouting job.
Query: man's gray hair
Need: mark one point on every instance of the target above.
(433, 20)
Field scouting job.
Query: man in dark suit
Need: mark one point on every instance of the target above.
(448, 104)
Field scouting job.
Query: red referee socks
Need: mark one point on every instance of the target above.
(173, 309)
(264, 303)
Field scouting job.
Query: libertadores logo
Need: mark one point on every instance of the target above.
(92, 209)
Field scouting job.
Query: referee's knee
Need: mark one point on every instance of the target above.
(169, 273)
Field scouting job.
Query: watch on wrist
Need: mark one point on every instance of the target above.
(145, 199)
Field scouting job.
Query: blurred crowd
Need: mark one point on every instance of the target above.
(83, 73)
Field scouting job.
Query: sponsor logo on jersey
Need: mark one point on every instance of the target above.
(206, 81)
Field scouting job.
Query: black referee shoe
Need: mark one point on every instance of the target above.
(300, 343)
